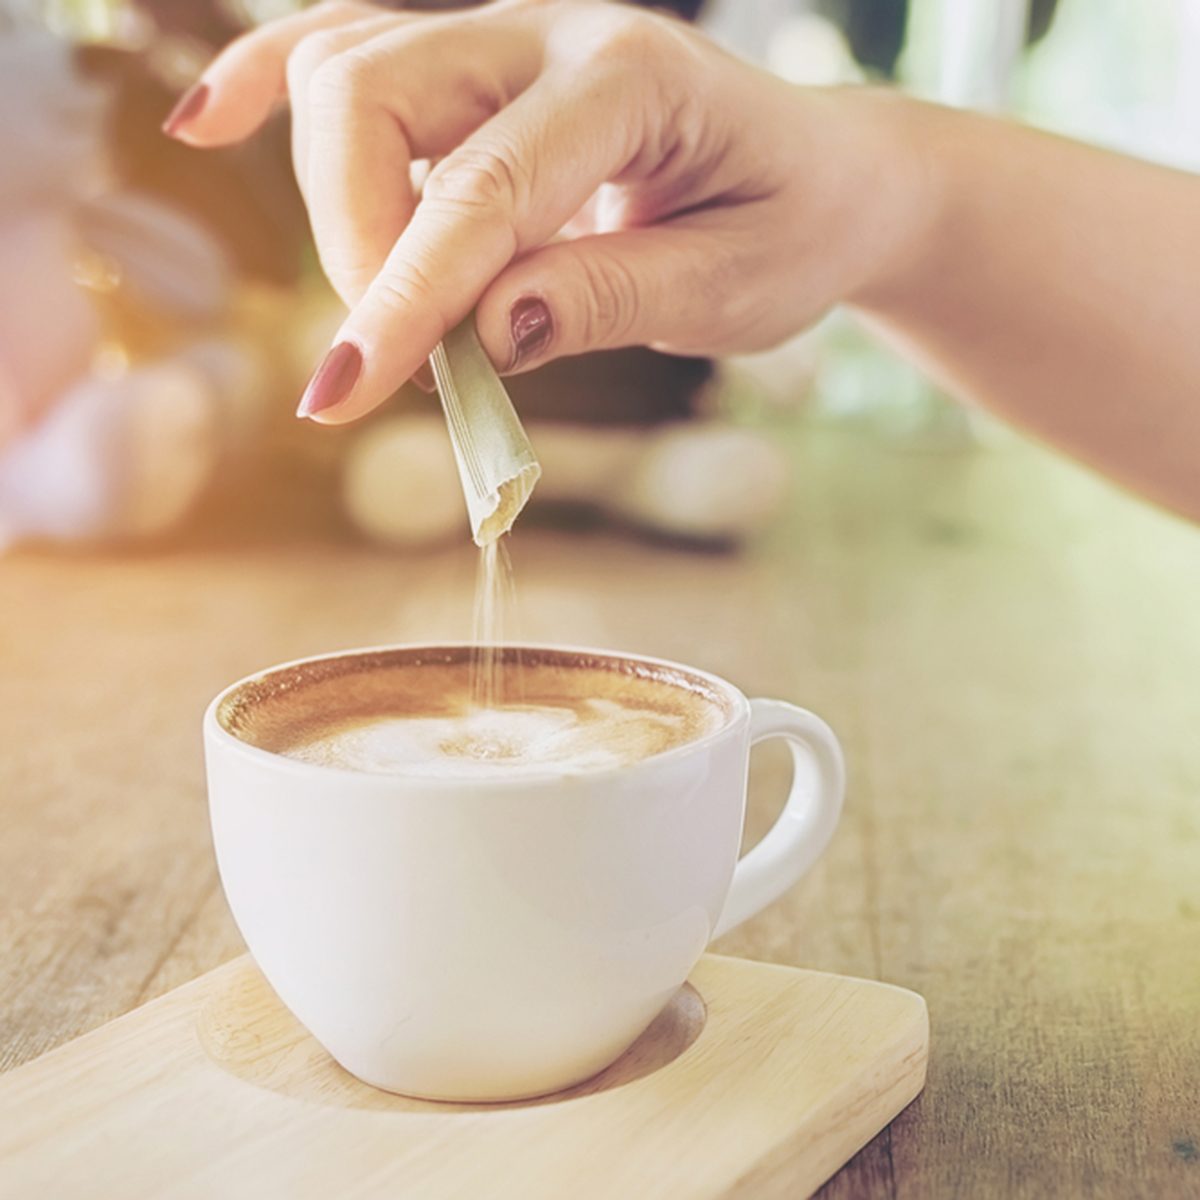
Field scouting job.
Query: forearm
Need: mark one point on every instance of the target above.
(1058, 285)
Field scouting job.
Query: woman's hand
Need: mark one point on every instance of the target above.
(706, 207)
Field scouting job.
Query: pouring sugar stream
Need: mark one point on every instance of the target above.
(498, 470)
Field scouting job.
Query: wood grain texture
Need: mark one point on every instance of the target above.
(216, 1090)
(1009, 650)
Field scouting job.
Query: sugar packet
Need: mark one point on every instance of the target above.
(496, 462)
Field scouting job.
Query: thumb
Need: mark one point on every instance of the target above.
(670, 286)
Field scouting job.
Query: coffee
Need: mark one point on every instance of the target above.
(483, 933)
(413, 712)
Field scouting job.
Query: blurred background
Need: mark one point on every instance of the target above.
(160, 308)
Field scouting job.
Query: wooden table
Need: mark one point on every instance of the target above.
(1009, 650)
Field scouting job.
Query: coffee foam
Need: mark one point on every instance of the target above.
(482, 742)
(411, 712)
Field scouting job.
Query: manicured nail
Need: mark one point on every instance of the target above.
(531, 328)
(187, 109)
(423, 378)
(332, 381)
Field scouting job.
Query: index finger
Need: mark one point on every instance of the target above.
(510, 187)
(241, 86)
(413, 92)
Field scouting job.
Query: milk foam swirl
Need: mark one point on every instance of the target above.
(592, 734)
(414, 711)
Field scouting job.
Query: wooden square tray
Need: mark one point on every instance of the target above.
(757, 1081)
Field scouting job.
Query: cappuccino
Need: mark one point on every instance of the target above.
(416, 713)
(499, 918)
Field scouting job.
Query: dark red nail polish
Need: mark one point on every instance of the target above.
(187, 109)
(333, 380)
(424, 379)
(531, 328)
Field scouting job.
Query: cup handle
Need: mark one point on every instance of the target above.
(804, 828)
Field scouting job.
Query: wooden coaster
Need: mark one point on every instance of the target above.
(756, 1081)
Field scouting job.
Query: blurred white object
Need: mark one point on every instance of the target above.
(237, 374)
(703, 480)
(114, 458)
(164, 257)
(746, 26)
(706, 480)
(982, 41)
(89, 448)
(779, 379)
(1126, 76)
(401, 482)
(51, 136)
(259, 12)
(810, 50)
(48, 325)
(172, 448)
(800, 46)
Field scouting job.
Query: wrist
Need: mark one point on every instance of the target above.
(897, 211)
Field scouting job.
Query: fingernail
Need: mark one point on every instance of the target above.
(423, 378)
(531, 328)
(332, 381)
(187, 109)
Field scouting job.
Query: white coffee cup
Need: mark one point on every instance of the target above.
(503, 938)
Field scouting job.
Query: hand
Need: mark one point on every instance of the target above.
(706, 207)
